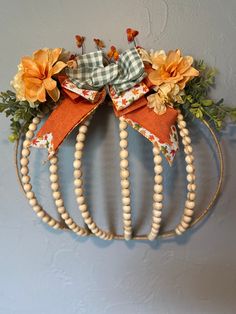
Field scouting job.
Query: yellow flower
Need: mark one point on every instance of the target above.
(34, 78)
(174, 68)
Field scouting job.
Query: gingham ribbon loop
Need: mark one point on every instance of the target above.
(123, 75)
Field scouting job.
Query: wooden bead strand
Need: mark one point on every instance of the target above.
(25, 178)
(157, 196)
(55, 187)
(190, 169)
(78, 182)
(124, 175)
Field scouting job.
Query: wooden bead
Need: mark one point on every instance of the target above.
(46, 219)
(78, 192)
(59, 202)
(78, 154)
(24, 161)
(188, 212)
(126, 201)
(41, 214)
(124, 163)
(181, 228)
(182, 124)
(188, 149)
(191, 196)
(30, 195)
(158, 188)
(157, 205)
(77, 164)
(53, 168)
(36, 120)
(29, 134)
(127, 216)
(80, 200)
(25, 179)
(52, 222)
(156, 150)
(180, 117)
(79, 146)
(33, 202)
(124, 154)
(83, 207)
(124, 184)
(25, 152)
(80, 137)
(158, 179)
(83, 129)
(158, 197)
(61, 209)
(65, 216)
(126, 209)
(158, 169)
(157, 159)
(187, 219)
(191, 187)
(78, 183)
(184, 224)
(68, 221)
(190, 168)
(77, 173)
(32, 127)
(56, 195)
(189, 204)
(125, 192)
(189, 159)
(53, 178)
(123, 125)
(123, 134)
(53, 160)
(27, 187)
(190, 178)
(54, 186)
(124, 174)
(36, 208)
(157, 220)
(178, 232)
(123, 143)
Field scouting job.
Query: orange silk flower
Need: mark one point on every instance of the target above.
(36, 72)
(174, 68)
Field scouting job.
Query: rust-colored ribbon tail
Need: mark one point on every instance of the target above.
(72, 110)
(159, 129)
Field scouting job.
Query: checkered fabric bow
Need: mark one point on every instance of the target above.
(123, 75)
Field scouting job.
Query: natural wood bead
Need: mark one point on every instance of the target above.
(46, 219)
(156, 150)
(41, 214)
(77, 164)
(54, 186)
(186, 140)
(30, 195)
(56, 195)
(83, 207)
(33, 202)
(155, 226)
(77, 173)
(126, 201)
(123, 143)
(25, 152)
(126, 209)
(180, 117)
(187, 219)
(181, 228)
(182, 124)
(124, 184)
(158, 197)
(184, 224)
(61, 209)
(56, 226)
(80, 137)
(157, 159)
(29, 134)
(123, 125)
(36, 120)
(123, 134)
(190, 168)
(25, 179)
(157, 219)
(53, 168)
(36, 208)
(78, 154)
(53, 160)
(189, 159)
(189, 204)
(24, 161)
(190, 178)
(80, 200)
(86, 122)
(52, 222)
(68, 221)
(27, 187)
(26, 143)
(191, 196)
(78, 183)
(158, 169)
(127, 216)
(124, 174)
(127, 223)
(83, 129)
(65, 216)
(59, 202)
(158, 188)
(32, 127)
(191, 187)
(125, 192)
(124, 154)
(158, 179)
(89, 220)
(188, 149)
(124, 163)
(85, 214)
(157, 213)
(53, 178)
(157, 205)
(78, 192)
(188, 212)
(79, 146)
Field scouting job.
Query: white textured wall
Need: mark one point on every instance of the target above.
(44, 271)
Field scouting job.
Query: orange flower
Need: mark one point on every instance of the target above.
(79, 40)
(113, 53)
(34, 79)
(131, 34)
(99, 43)
(174, 68)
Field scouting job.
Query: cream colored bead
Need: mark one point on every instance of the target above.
(53, 168)
(26, 143)
(77, 173)
(155, 150)
(189, 204)
(53, 178)
(188, 149)
(190, 178)
(25, 179)
(190, 168)
(41, 214)
(124, 174)
(80, 200)
(53, 160)
(80, 137)
(126, 209)
(124, 163)
(191, 196)
(186, 140)
(59, 202)
(83, 207)
(78, 183)
(178, 232)
(184, 224)
(123, 134)
(125, 192)
(127, 223)
(65, 216)
(188, 212)
(157, 220)
(123, 125)
(36, 120)
(85, 214)
(181, 228)
(46, 219)
(30, 195)
(61, 209)
(157, 159)
(158, 169)
(124, 184)
(77, 164)
(180, 117)
(78, 192)
(158, 197)
(124, 154)
(158, 188)
(79, 146)
(126, 201)
(25, 152)
(83, 129)
(123, 143)
(189, 159)
(24, 161)
(29, 134)
(158, 179)
(89, 220)
(54, 186)
(36, 208)
(27, 187)
(87, 122)
(33, 202)
(157, 206)
(78, 154)
(52, 222)
(32, 127)
(56, 195)
(191, 187)
(182, 124)
(157, 213)
(127, 216)
(68, 221)
(187, 219)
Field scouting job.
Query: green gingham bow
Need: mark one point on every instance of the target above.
(123, 75)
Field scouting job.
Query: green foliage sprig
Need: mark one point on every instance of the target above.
(21, 113)
(197, 102)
